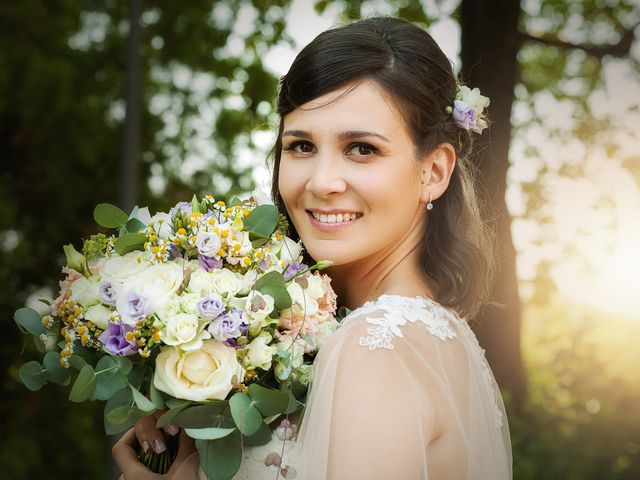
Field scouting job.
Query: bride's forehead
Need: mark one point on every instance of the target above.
(364, 103)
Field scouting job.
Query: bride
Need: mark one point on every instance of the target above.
(372, 168)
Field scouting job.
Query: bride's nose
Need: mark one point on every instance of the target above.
(327, 175)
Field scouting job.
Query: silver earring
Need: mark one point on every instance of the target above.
(429, 204)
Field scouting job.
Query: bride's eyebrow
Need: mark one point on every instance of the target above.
(343, 136)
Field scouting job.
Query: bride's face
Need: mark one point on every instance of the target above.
(349, 176)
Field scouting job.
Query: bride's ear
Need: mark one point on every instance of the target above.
(437, 168)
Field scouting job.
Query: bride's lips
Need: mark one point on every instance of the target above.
(331, 227)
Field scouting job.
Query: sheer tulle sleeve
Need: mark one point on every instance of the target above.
(400, 390)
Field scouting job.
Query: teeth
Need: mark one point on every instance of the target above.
(334, 218)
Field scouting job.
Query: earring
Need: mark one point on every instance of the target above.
(429, 204)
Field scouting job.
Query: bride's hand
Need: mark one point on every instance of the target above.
(125, 455)
(151, 437)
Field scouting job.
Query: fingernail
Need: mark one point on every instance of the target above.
(159, 446)
(171, 429)
(145, 446)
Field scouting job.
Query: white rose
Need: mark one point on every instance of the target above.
(207, 374)
(302, 300)
(257, 305)
(180, 328)
(208, 244)
(199, 282)
(224, 282)
(98, 314)
(188, 302)
(163, 225)
(248, 281)
(167, 309)
(120, 268)
(259, 354)
(85, 291)
(157, 282)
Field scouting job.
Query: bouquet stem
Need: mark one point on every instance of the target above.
(160, 462)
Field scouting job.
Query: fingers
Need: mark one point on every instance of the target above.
(124, 453)
(187, 463)
(170, 428)
(149, 436)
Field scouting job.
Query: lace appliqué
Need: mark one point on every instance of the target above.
(397, 312)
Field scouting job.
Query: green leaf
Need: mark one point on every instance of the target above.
(235, 201)
(109, 216)
(155, 396)
(134, 225)
(84, 385)
(262, 221)
(30, 374)
(270, 402)
(120, 414)
(130, 242)
(77, 362)
(205, 416)
(142, 402)
(111, 376)
(75, 259)
(195, 205)
(292, 405)
(29, 320)
(245, 414)
(54, 372)
(220, 459)
(169, 415)
(273, 284)
(121, 398)
(261, 437)
(208, 433)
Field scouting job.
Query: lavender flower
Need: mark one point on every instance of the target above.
(226, 325)
(464, 115)
(133, 307)
(115, 342)
(108, 291)
(208, 263)
(208, 244)
(292, 269)
(180, 208)
(210, 307)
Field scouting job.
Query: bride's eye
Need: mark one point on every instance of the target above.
(361, 150)
(300, 147)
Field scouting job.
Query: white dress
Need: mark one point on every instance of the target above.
(401, 390)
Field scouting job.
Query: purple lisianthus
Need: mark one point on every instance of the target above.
(108, 291)
(210, 307)
(115, 341)
(209, 263)
(227, 325)
(464, 115)
(133, 307)
(292, 269)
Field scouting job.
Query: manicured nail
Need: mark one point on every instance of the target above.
(171, 429)
(145, 446)
(159, 446)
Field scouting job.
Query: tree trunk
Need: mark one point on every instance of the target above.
(490, 46)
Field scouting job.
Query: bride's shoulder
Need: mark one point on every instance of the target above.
(380, 323)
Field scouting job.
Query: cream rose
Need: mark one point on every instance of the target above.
(225, 282)
(180, 328)
(290, 251)
(85, 291)
(259, 354)
(207, 374)
(158, 282)
(121, 268)
(98, 314)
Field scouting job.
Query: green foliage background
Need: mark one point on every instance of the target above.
(62, 72)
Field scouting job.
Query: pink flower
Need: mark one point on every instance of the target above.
(65, 287)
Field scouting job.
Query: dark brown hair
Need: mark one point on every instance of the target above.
(413, 71)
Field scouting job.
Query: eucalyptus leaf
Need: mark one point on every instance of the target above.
(292, 405)
(208, 433)
(273, 284)
(84, 385)
(205, 416)
(262, 221)
(245, 414)
(77, 362)
(220, 459)
(29, 320)
(270, 402)
(54, 372)
(121, 398)
(261, 437)
(134, 226)
(155, 396)
(129, 242)
(119, 414)
(169, 415)
(142, 402)
(110, 377)
(109, 216)
(30, 374)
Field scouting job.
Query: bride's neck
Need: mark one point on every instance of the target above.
(396, 272)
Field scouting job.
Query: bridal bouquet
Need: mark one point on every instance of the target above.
(206, 311)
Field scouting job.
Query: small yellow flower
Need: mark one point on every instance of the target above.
(182, 231)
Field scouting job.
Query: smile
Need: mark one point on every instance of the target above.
(335, 217)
